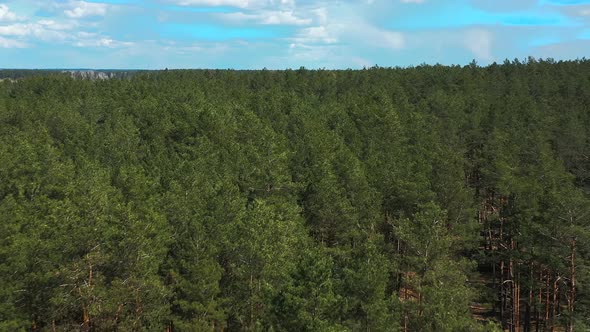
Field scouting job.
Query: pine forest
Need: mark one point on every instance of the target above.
(426, 198)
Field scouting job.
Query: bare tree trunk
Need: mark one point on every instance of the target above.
(530, 302)
(515, 289)
(539, 301)
(547, 291)
(555, 302)
(85, 311)
(406, 323)
(502, 294)
(572, 297)
(513, 295)
(517, 306)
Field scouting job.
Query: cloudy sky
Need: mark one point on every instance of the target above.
(278, 34)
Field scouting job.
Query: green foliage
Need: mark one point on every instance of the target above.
(292, 200)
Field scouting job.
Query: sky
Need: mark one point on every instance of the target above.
(280, 34)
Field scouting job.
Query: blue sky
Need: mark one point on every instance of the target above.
(279, 34)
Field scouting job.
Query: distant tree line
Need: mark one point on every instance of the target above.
(14, 74)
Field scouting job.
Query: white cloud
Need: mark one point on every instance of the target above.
(301, 54)
(56, 32)
(97, 41)
(51, 24)
(321, 15)
(10, 43)
(268, 17)
(358, 33)
(236, 3)
(361, 62)
(346, 26)
(6, 15)
(15, 29)
(390, 39)
(37, 30)
(285, 17)
(91, 39)
(479, 42)
(412, 1)
(232, 3)
(372, 36)
(319, 34)
(318, 56)
(80, 9)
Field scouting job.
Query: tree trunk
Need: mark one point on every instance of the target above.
(86, 322)
(555, 302)
(547, 291)
(572, 297)
(539, 301)
(406, 323)
(502, 295)
(529, 303)
(513, 295)
(85, 313)
(518, 304)
(251, 323)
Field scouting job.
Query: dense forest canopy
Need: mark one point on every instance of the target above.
(431, 198)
